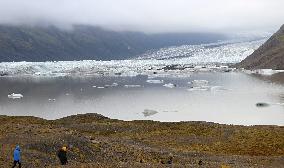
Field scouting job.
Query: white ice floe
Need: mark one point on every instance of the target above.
(148, 112)
(100, 87)
(170, 85)
(198, 83)
(155, 81)
(266, 72)
(132, 86)
(201, 88)
(114, 85)
(15, 96)
(52, 100)
(218, 88)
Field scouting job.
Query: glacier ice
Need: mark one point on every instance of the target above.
(171, 62)
(224, 52)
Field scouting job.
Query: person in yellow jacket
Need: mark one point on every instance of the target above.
(62, 155)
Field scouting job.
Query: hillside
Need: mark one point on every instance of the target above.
(23, 43)
(270, 55)
(97, 141)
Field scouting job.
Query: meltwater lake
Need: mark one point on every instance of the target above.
(221, 97)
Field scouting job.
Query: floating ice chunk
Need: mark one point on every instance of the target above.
(155, 81)
(199, 89)
(94, 86)
(218, 88)
(15, 96)
(170, 111)
(114, 85)
(267, 71)
(132, 86)
(279, 104)
(198, 67)
(52, 100)
(148, 113)
(170, 85)
(100, 87)
(198, 83)
(224, 67)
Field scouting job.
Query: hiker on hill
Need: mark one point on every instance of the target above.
(62, 155)
(17, 156)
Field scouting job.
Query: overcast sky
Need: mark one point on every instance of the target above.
(149, 15)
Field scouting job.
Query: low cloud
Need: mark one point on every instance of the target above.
(148, 15)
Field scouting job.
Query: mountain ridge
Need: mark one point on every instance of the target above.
(268, 56)
(36, 44)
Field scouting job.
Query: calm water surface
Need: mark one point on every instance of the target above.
(234, 103)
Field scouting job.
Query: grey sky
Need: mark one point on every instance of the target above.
(149, 15)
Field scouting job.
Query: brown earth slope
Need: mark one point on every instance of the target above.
(97, 141)
(270, 55)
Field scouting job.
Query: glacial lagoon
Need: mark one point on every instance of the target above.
(204, 95)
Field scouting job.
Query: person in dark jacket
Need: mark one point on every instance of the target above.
(62, 155)
(17, 156)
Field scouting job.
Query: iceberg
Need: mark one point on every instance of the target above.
(218, 88)
(266, 72)
(132, 86)
(199, 89)
(155, 81)
(114, 85)
(170, 85)
(15, 96)
(199, 83)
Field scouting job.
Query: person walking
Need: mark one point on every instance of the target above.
(62, 155)
(17, 156)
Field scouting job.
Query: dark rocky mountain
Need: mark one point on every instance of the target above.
(270, 55)
(24, 43)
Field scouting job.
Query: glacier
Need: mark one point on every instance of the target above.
(189, 58)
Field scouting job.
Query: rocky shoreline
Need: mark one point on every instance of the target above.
(97, 141)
